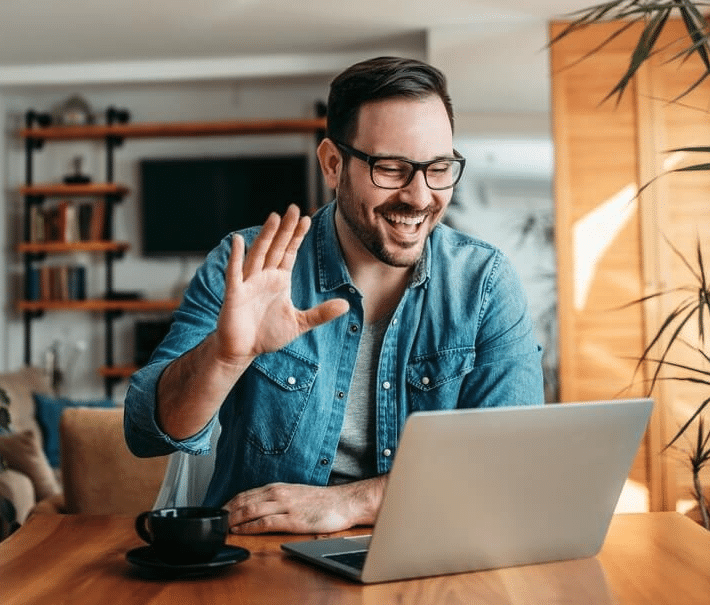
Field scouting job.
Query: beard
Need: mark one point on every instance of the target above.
(399, 254)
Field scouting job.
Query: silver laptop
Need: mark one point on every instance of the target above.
(491, 488)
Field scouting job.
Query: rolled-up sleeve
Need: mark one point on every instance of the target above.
(143, 434)
(192, 322)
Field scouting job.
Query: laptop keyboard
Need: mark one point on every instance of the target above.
(351, 559)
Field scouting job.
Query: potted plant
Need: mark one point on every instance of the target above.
(691, 312)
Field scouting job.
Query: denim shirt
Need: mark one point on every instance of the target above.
(461, 336)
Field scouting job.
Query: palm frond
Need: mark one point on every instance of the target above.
(700, 149)
(643, 299)
(695, 24)
(627, 25)
(676, 320)
(682, 258)
(641, 53)
(694, 168)
(667, 323)
(685, 368)
(692, 87)
(690, 421)
(655, 15)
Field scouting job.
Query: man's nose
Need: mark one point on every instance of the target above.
(417, 192)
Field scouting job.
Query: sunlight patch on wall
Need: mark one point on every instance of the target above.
(593, 234)
(634, 498)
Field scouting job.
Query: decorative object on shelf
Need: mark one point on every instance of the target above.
(36, 118)
(77, 178)
(124, 295)
(75, 111)
(114, 115)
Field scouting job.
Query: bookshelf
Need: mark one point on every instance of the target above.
(113, 134)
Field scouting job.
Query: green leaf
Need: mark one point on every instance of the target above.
(695, 32)
(643, 49)
(682, 430)
(695, 168)
(702, 149)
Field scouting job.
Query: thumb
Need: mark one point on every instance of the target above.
(323, 313)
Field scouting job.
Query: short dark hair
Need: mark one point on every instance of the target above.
(375, 80)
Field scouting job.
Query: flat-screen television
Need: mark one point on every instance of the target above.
(189, 204)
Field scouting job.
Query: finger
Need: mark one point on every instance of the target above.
(253, 503)
(233, 273)
(323, 313)
(250, 512)
(257, 253)
(283, 237)
(271, 524)
(289, 255)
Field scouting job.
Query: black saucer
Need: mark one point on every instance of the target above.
(144, 558)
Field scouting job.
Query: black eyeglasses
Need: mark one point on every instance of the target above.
(395, 173)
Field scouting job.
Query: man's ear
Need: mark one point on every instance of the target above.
(331, 162)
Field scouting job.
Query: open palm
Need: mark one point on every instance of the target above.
(257, 314)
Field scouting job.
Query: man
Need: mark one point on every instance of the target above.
(311, 344)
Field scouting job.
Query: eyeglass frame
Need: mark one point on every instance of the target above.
(370, 160)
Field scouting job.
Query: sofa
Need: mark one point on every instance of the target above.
(26, 477)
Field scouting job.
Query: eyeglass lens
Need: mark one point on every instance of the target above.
(394, 173)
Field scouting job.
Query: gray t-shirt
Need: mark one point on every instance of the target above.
(355, 458)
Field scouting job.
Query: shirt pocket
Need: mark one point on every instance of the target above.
(434, 380)
(278, 389)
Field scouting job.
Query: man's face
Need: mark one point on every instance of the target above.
(392, 225)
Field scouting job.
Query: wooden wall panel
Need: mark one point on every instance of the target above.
(596, 159)
(596, 170)
(599, 149)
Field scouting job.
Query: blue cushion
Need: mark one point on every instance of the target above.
(49, 411)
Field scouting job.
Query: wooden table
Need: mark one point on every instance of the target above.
(657, 558)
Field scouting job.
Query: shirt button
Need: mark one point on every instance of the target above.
(353, 328)
(291, 380)
(341, 394)
(394, 321)
(324, 461)
(386, 385)
(351, 290)
(387, 452)
(425, 380)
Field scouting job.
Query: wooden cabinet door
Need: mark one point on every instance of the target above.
(599, 232)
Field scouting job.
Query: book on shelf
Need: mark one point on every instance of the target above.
(84, 213)
(68, 221)
(37, 224)
(32, 284)
(97, 223)
(56, 282)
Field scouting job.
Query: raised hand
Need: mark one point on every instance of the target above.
(257, 314)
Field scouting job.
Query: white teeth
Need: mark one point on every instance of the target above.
(407, 220)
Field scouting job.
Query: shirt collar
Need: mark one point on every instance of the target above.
(332, 270)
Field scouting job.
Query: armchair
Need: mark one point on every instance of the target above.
(100, 475)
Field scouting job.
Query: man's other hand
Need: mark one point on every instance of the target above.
(303, 509)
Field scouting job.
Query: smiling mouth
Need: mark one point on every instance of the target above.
(404, 223)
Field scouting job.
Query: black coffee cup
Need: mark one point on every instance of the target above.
(184, 535)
